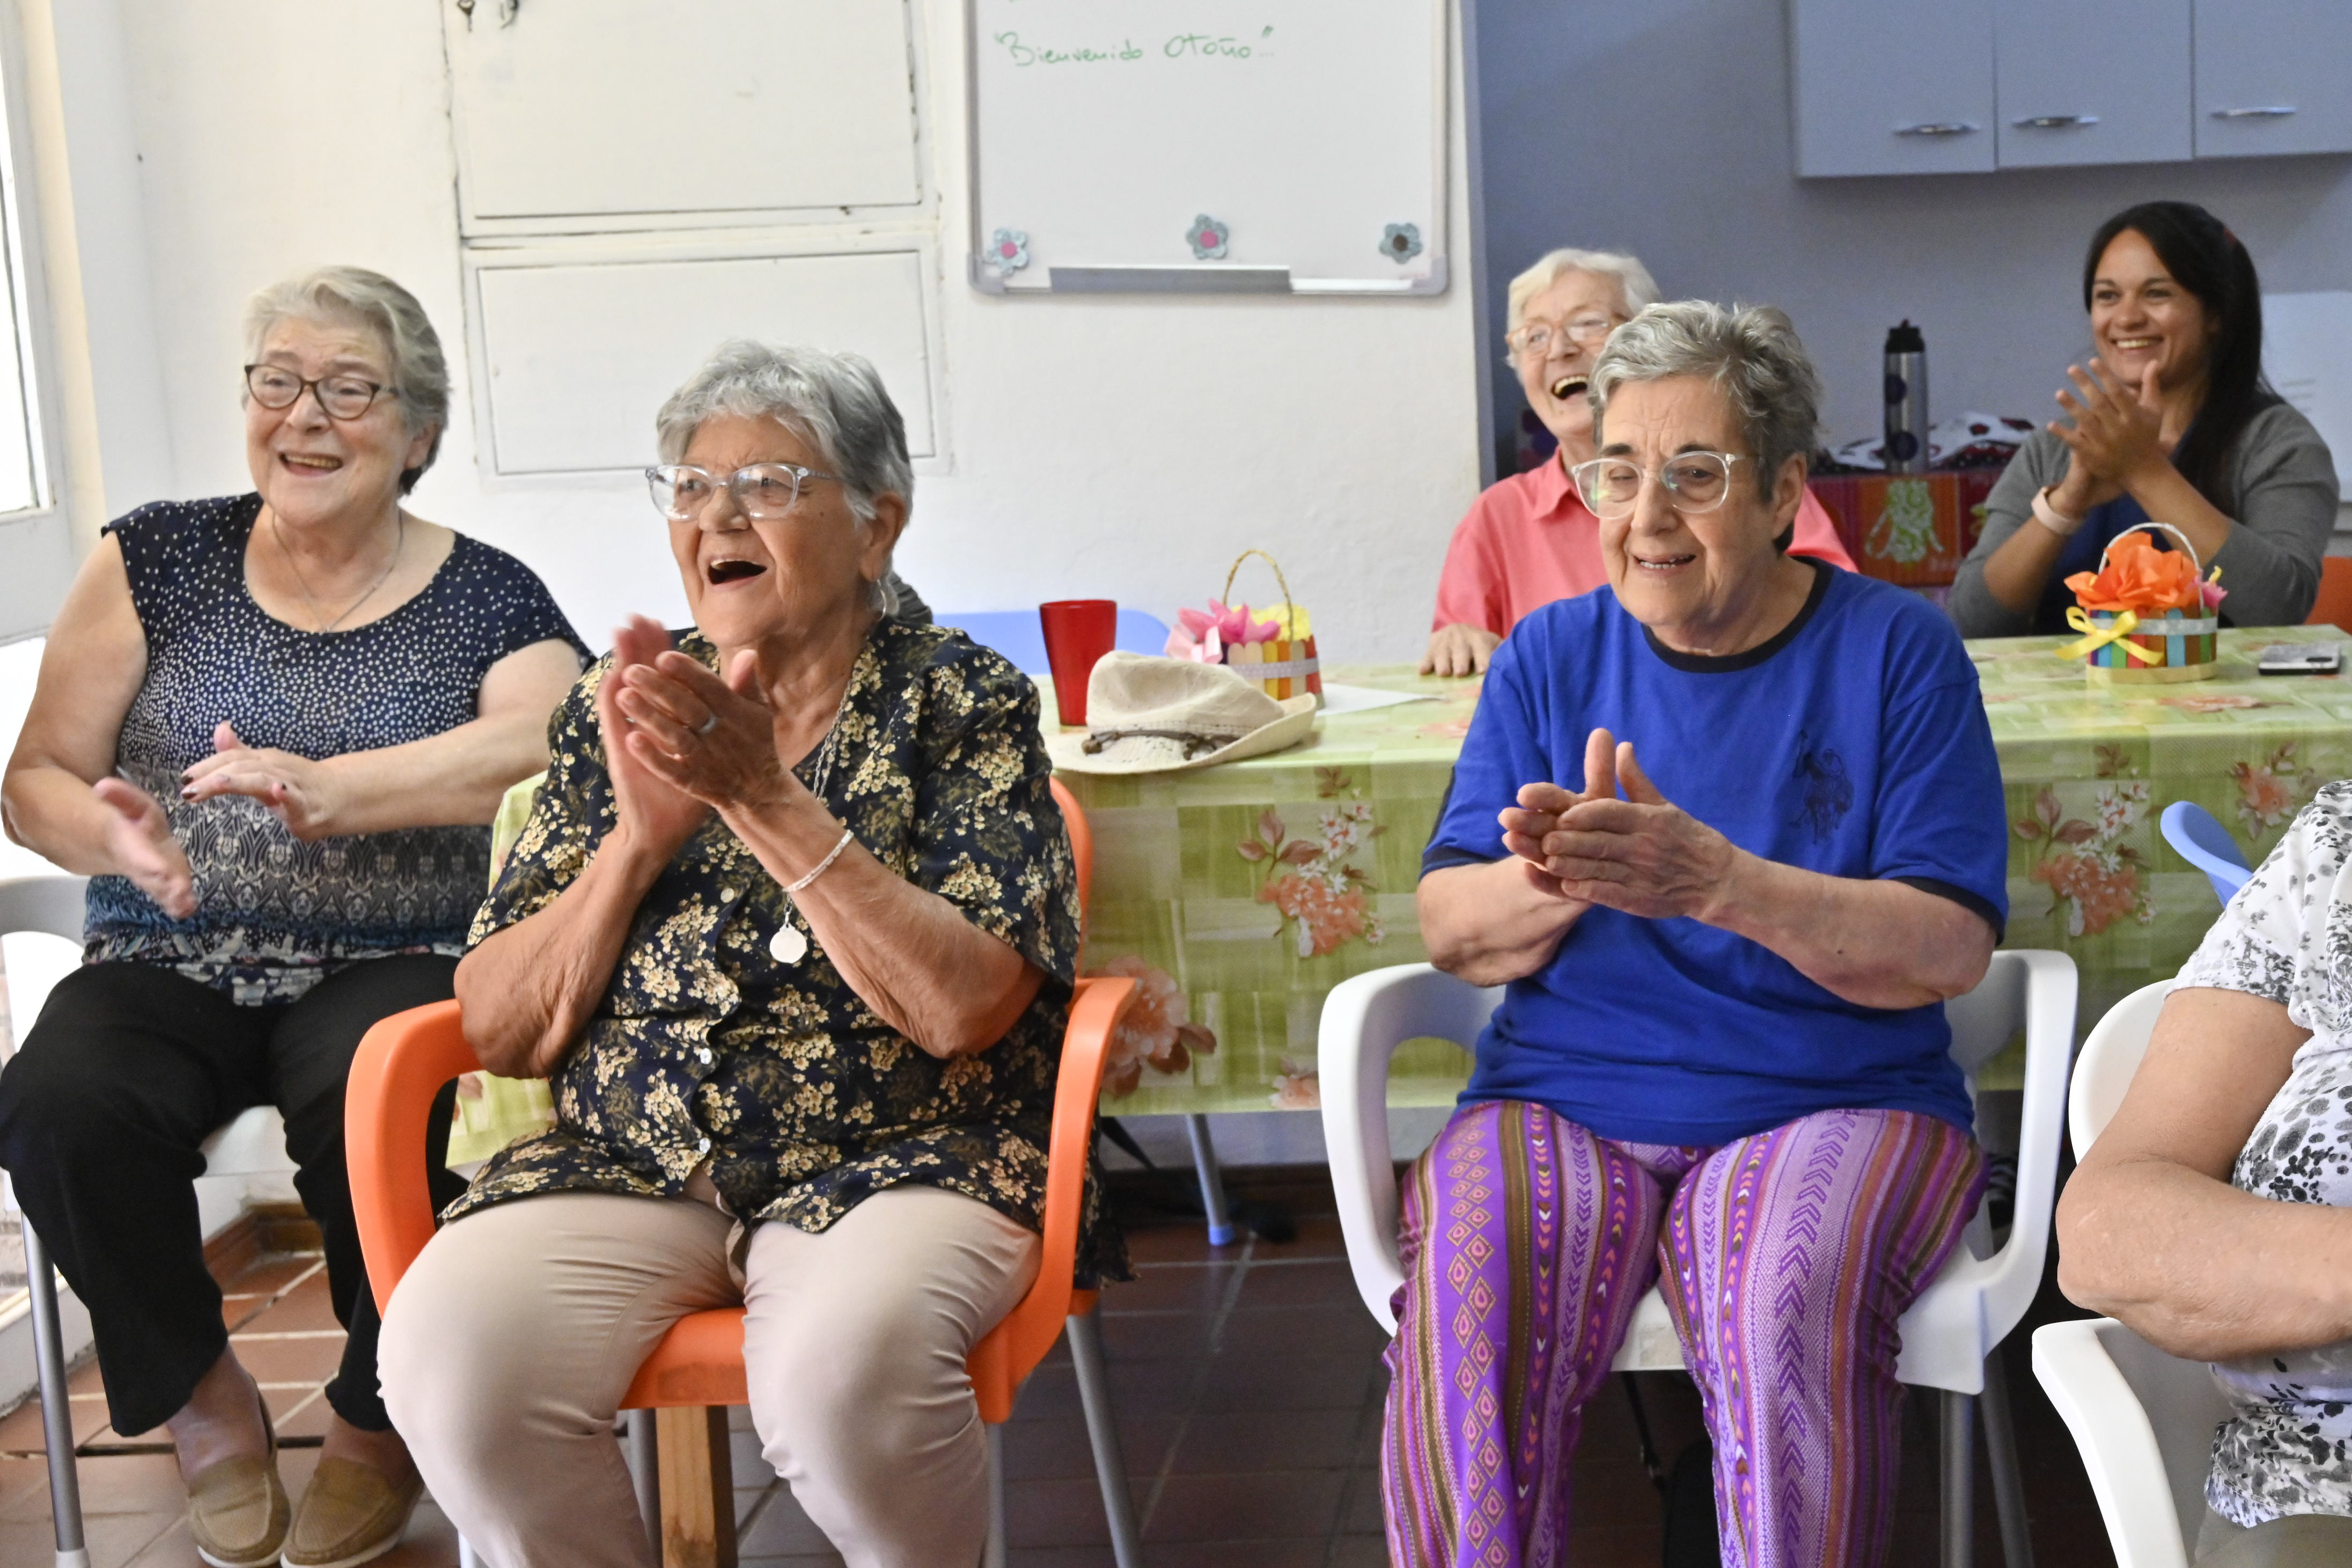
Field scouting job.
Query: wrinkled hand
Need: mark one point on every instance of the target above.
(710, 737)
(1536, 816)
(298, 792)
(1460, 649)
(1642, 854)
(139, 840)
(2118, 433)
(653, 810)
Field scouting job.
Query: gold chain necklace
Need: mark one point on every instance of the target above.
(400, 542)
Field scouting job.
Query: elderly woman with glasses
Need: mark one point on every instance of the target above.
(272, 730)
(1530, 538)
(792, 929)
(1721, 1060)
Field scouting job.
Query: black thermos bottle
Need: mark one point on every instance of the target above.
(1907, 400)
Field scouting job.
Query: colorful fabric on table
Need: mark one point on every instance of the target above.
(1853, 744)
(1529, 539)
(1788, 1257)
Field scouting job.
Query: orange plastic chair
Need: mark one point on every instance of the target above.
(405, 1058)
(2333, 605)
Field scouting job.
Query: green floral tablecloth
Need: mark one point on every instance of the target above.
(1240, 894)
(1243, 893)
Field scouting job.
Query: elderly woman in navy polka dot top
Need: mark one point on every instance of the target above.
(272, 729)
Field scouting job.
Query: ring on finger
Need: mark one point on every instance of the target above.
(707, 725)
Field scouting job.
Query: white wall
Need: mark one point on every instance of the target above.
(1126, 448)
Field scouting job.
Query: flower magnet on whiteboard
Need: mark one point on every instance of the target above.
(1400, 242)
(1207, 237)
(1008, 251)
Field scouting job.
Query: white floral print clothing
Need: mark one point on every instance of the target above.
(2287, 935)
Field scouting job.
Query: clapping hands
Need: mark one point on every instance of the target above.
(1642, 854)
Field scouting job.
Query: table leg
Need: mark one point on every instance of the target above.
(1222, 1229)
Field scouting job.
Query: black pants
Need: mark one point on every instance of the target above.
(102, 1115)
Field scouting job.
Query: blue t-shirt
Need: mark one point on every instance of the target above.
(1853, 743)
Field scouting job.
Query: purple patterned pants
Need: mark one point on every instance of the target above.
(1788, 1257)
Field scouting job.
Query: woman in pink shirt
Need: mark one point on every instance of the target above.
(1528, 540)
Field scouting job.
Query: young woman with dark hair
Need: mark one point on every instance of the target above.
(2171, 422)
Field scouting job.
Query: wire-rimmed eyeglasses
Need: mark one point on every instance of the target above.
(764, 490)
(1695, 482)
(342, 397)
(1536, 338)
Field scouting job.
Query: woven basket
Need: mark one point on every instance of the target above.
(2184, 643)
(1285, 667)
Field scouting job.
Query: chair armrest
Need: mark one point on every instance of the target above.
(2117, 1443)
(1030, 1329)
(2015, 1275)
(402, 1064)
(1364, 1020)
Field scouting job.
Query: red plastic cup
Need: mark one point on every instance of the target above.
(1078, 632)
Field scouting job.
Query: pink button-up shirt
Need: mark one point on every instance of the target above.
(1530, 539)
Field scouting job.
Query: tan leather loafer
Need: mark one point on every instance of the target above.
(351, 1514)
(237, 1511)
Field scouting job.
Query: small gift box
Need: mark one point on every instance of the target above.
(2146, 615)
(1273, 647)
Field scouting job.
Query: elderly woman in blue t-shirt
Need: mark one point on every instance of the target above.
(1722, 1052)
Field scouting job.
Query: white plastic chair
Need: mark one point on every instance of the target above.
(2144, 1420)
(251, 1144)
(1951, 1332)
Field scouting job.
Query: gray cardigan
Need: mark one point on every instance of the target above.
(2283, 494)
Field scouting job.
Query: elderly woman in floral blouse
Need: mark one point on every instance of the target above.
(792, 928)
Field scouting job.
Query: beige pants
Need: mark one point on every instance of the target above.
(509, 1344)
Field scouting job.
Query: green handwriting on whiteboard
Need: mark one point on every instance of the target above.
(1182, 46)
(1038, 55)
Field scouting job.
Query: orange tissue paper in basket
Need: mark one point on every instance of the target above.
(2146, 615)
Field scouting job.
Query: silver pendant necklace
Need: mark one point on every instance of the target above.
(400, 541)
(790, 944)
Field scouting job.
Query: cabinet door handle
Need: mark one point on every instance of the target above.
(1935, 128)
(2055, 121)
(2266, 111)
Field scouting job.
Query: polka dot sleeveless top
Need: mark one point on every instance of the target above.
(275, 915)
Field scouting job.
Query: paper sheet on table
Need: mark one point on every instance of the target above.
(1339, 698)
(2307, 350)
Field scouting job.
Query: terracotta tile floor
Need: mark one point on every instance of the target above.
(1248, 1386)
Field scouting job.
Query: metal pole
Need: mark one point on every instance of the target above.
(1959, 1491)
(992, 1554)
(2008, 1484)
(56, 1408)
(1221, 1231)
(1102, 1432)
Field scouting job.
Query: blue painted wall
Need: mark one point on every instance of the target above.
(1663, 127)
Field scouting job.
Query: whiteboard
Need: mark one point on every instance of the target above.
(1215, 146)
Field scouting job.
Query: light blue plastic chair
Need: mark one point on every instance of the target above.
(1016, 634)
(2206, 844)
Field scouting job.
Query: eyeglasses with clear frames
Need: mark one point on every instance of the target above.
(343, 397)
(1696, 481)
(762, 490)
(1537, 337)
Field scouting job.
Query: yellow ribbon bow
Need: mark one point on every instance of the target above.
(2097, 636)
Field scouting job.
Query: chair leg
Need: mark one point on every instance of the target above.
(2008, 1484)
(1221, 1230)
(57, 1410)
(992, 1554)
(644, 1451)
(1102, 1432)
(1959, 1479)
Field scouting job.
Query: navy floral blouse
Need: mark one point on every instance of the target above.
(802, 1098)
